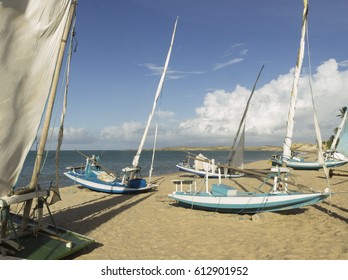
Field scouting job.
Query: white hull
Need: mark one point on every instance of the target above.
(248, 202)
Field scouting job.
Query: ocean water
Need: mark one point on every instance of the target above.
(164, 163)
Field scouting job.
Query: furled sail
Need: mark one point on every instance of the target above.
(340, 128)
(236, 155)
(342, 146)
(31, 32)
(135, 162)
(293, 99)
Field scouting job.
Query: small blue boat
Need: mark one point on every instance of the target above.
(94, 178)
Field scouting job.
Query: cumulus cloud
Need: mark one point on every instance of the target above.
(127, 131)
(218, 119)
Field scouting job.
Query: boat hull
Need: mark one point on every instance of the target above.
(247, 202)
(202, 173)
(116, 187)
(303, 165)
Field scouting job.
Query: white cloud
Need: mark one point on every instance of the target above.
(127, 131)
(165, 114)
(343, 63)
(236, 49)
(217, 120)
(227, 63)
(171, 74)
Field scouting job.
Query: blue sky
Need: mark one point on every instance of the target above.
(219, 48)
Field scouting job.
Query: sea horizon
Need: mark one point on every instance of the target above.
(164, 163)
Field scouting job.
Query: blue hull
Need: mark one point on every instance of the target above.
(116, 186)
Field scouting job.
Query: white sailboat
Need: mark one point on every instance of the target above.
(208, 167)
(328, 159)
(33, 40)
(223, 198)
(131, 180)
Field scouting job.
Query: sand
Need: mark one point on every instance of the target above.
(150, 226)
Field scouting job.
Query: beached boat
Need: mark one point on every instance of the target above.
(131, 181)
(331, 158)
(32, 50)
(224, 198)
(204, 166)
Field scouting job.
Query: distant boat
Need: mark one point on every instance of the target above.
(95, 177)
(224, 198)
(32, 50)
(333, 157)
(327, 159)
(204, 166)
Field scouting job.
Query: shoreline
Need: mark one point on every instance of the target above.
(150, 226)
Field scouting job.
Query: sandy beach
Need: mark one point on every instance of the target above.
(150, 226)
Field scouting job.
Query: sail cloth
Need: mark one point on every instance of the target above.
(236, 155)
(30, 31)
(342, 146)
(293, 98)
(341, 127)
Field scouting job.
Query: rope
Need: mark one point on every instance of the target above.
(317, 128)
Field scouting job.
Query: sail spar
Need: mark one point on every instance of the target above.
(30, 35)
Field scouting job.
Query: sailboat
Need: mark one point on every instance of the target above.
(330, 158)
(34, 34)
(95, 178)
(208, 167)
(224, 198)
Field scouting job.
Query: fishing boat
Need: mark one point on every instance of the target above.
(130, 181)
(204, 166)
(224, 198)
(328, 159)
(32, 50)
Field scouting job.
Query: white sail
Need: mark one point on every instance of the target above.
(135, 162)
(291, 114)
(236, 155)
(342, 146)
(339, 131)
(31, 32)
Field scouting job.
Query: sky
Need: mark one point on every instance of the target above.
(219, 49)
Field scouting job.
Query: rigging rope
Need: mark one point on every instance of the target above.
(316, 122)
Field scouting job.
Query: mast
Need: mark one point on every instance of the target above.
(50, 103)
(49, 109)
(135, 162)
(291, 114)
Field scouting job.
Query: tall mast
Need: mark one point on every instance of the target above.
(291, 114)
(135, 162)
(50, 103)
